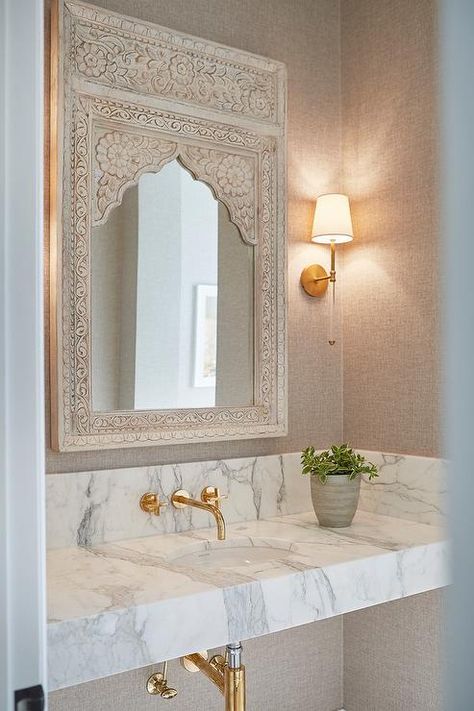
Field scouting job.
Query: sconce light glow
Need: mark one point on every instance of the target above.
(332, 225)
(332, 220)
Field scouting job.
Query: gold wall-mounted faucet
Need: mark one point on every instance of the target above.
(210, 502)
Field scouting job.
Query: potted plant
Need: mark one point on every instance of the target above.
(335, 482)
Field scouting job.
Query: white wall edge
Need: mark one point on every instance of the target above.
(22, 438)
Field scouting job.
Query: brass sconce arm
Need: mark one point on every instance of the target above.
(322, 278)
(315, 279)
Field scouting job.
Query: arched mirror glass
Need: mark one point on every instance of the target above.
(172, 298)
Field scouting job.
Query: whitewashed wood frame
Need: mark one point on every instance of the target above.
(133, 96)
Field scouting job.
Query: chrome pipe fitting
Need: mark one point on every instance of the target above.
(234, 655)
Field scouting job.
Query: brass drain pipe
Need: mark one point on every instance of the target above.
(234, 679)
(227, 673)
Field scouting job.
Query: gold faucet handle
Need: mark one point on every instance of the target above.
(150, 503)
(212, 495)
(157, 684)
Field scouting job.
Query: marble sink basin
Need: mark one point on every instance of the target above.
(237, 553)
(268, 575)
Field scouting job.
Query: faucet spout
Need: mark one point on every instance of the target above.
(181, 498)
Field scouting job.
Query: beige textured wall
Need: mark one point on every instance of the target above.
(392, 656)
(391, 277)
(280, 675)
(304, 35)
(391, 323)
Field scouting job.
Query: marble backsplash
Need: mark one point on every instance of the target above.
(409, 487)
(96, 507)
(89, 508)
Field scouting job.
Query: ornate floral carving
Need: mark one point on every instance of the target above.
(139, 58)
(116, 154)
(181, 70)
(91, 60)
(232, 177)
(235, 176)
(177, 123)
(121, 158)
(119, 139)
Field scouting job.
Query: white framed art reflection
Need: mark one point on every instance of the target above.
(205, 336)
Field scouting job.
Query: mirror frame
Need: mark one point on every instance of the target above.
(156, 95)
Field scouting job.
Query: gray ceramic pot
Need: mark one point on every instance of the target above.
(335, 502)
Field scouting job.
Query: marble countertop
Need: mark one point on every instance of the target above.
(127, 604)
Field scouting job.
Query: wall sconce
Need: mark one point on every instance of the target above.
(332, 225)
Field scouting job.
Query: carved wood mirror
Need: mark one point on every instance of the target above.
(168, 222)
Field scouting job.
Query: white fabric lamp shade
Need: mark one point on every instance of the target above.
(332, 219)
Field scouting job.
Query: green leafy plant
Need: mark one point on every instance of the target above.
(339, 460)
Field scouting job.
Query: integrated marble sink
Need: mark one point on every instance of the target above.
(136, 602)
(232, 554)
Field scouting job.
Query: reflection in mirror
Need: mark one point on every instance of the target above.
(172, 300)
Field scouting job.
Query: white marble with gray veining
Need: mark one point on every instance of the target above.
(126, 604)
(88, 508)
(409, 487)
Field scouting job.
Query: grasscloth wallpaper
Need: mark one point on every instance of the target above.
(391, 277)
(278, 666)
(371, 62)
(399, 667)
(304, 35)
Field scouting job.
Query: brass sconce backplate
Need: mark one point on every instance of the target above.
(314, 280)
